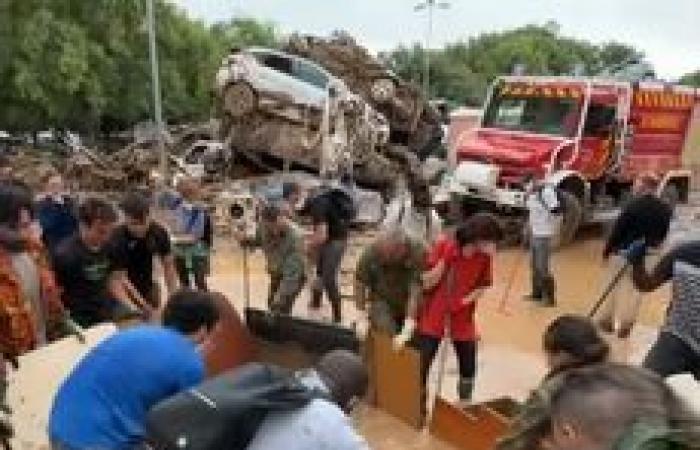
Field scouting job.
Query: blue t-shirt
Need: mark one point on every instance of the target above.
(103, 403)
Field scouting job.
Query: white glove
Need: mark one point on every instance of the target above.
(400, 340)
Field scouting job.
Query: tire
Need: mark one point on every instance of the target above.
(239, 99)
(671, 195)
(573, 216)
(383, 90)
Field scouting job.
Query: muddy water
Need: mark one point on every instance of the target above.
(509, 360)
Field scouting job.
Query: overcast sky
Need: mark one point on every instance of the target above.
(668, 31)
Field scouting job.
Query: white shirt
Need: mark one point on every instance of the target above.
(539, 204)
(424, 226)
(320, 425)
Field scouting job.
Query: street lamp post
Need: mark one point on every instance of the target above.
(157, 102)
(430, 6)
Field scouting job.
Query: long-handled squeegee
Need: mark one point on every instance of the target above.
(608, 289)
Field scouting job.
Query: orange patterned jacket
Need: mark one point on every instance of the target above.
(17, 327)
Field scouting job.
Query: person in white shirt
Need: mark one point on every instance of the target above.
(323, 423)
(544, 218)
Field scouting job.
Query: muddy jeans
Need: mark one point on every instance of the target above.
(283, 292)
(327, 269)
(542, 280)
(624, 300)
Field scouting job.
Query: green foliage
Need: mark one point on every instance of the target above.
(461, 72)
(84, 65)
(691, 79)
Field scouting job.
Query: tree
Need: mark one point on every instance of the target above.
(461, 71)
(691, 79)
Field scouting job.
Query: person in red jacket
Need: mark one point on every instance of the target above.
(449, 305)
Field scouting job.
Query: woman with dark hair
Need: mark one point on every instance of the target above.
(569, 342)
(29, 297)
(460, 272)
(573, 341)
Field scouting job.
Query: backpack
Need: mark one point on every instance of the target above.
(225, 412)
(558, 210)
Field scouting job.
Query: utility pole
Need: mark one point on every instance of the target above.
(157, 102)
(430, 6)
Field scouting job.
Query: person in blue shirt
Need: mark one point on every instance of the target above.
(56, 212)
(103, 403)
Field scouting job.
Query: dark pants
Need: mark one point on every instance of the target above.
(671, 356)
(327, 269)
(466, 357)
(283, 293)
(111, 311)
(199, 271)
(542, 280)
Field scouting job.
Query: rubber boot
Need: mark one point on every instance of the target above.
(465, 389)
(549, 290)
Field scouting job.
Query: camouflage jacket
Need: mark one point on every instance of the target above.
(284, 255)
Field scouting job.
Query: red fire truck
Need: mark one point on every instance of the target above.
(589, 137)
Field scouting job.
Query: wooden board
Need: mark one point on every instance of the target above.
(477, 427)
(34, 385)
(395, 379)
(230, 345)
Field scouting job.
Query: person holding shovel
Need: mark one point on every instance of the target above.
(283, 246)
(449, 306)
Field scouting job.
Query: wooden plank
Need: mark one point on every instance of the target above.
(230, 345)
(395, 379)
(34, 385)
(477, 427)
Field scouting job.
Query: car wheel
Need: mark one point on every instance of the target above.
(383, 90)
(239, 99)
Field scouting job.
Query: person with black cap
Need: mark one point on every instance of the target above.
(323, 423)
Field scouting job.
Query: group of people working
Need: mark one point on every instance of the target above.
(93, 267)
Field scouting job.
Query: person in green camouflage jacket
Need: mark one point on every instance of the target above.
(283, 246)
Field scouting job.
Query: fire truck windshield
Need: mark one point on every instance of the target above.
(541, 115)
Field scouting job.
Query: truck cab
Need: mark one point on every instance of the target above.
(591, 138)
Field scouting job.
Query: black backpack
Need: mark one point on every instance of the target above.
(561, 200)
(225, 412)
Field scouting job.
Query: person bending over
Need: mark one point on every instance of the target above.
(569, 342)
(323, 423)
(84, 269)
(103, 402)
(133, 247)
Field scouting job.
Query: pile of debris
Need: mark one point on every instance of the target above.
(414, 123)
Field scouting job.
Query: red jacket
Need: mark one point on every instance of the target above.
(462, 276)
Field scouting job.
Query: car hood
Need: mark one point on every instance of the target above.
(506, 148)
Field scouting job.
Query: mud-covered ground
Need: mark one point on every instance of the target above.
(510, 360)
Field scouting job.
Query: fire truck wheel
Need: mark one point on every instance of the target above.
(573, 215)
